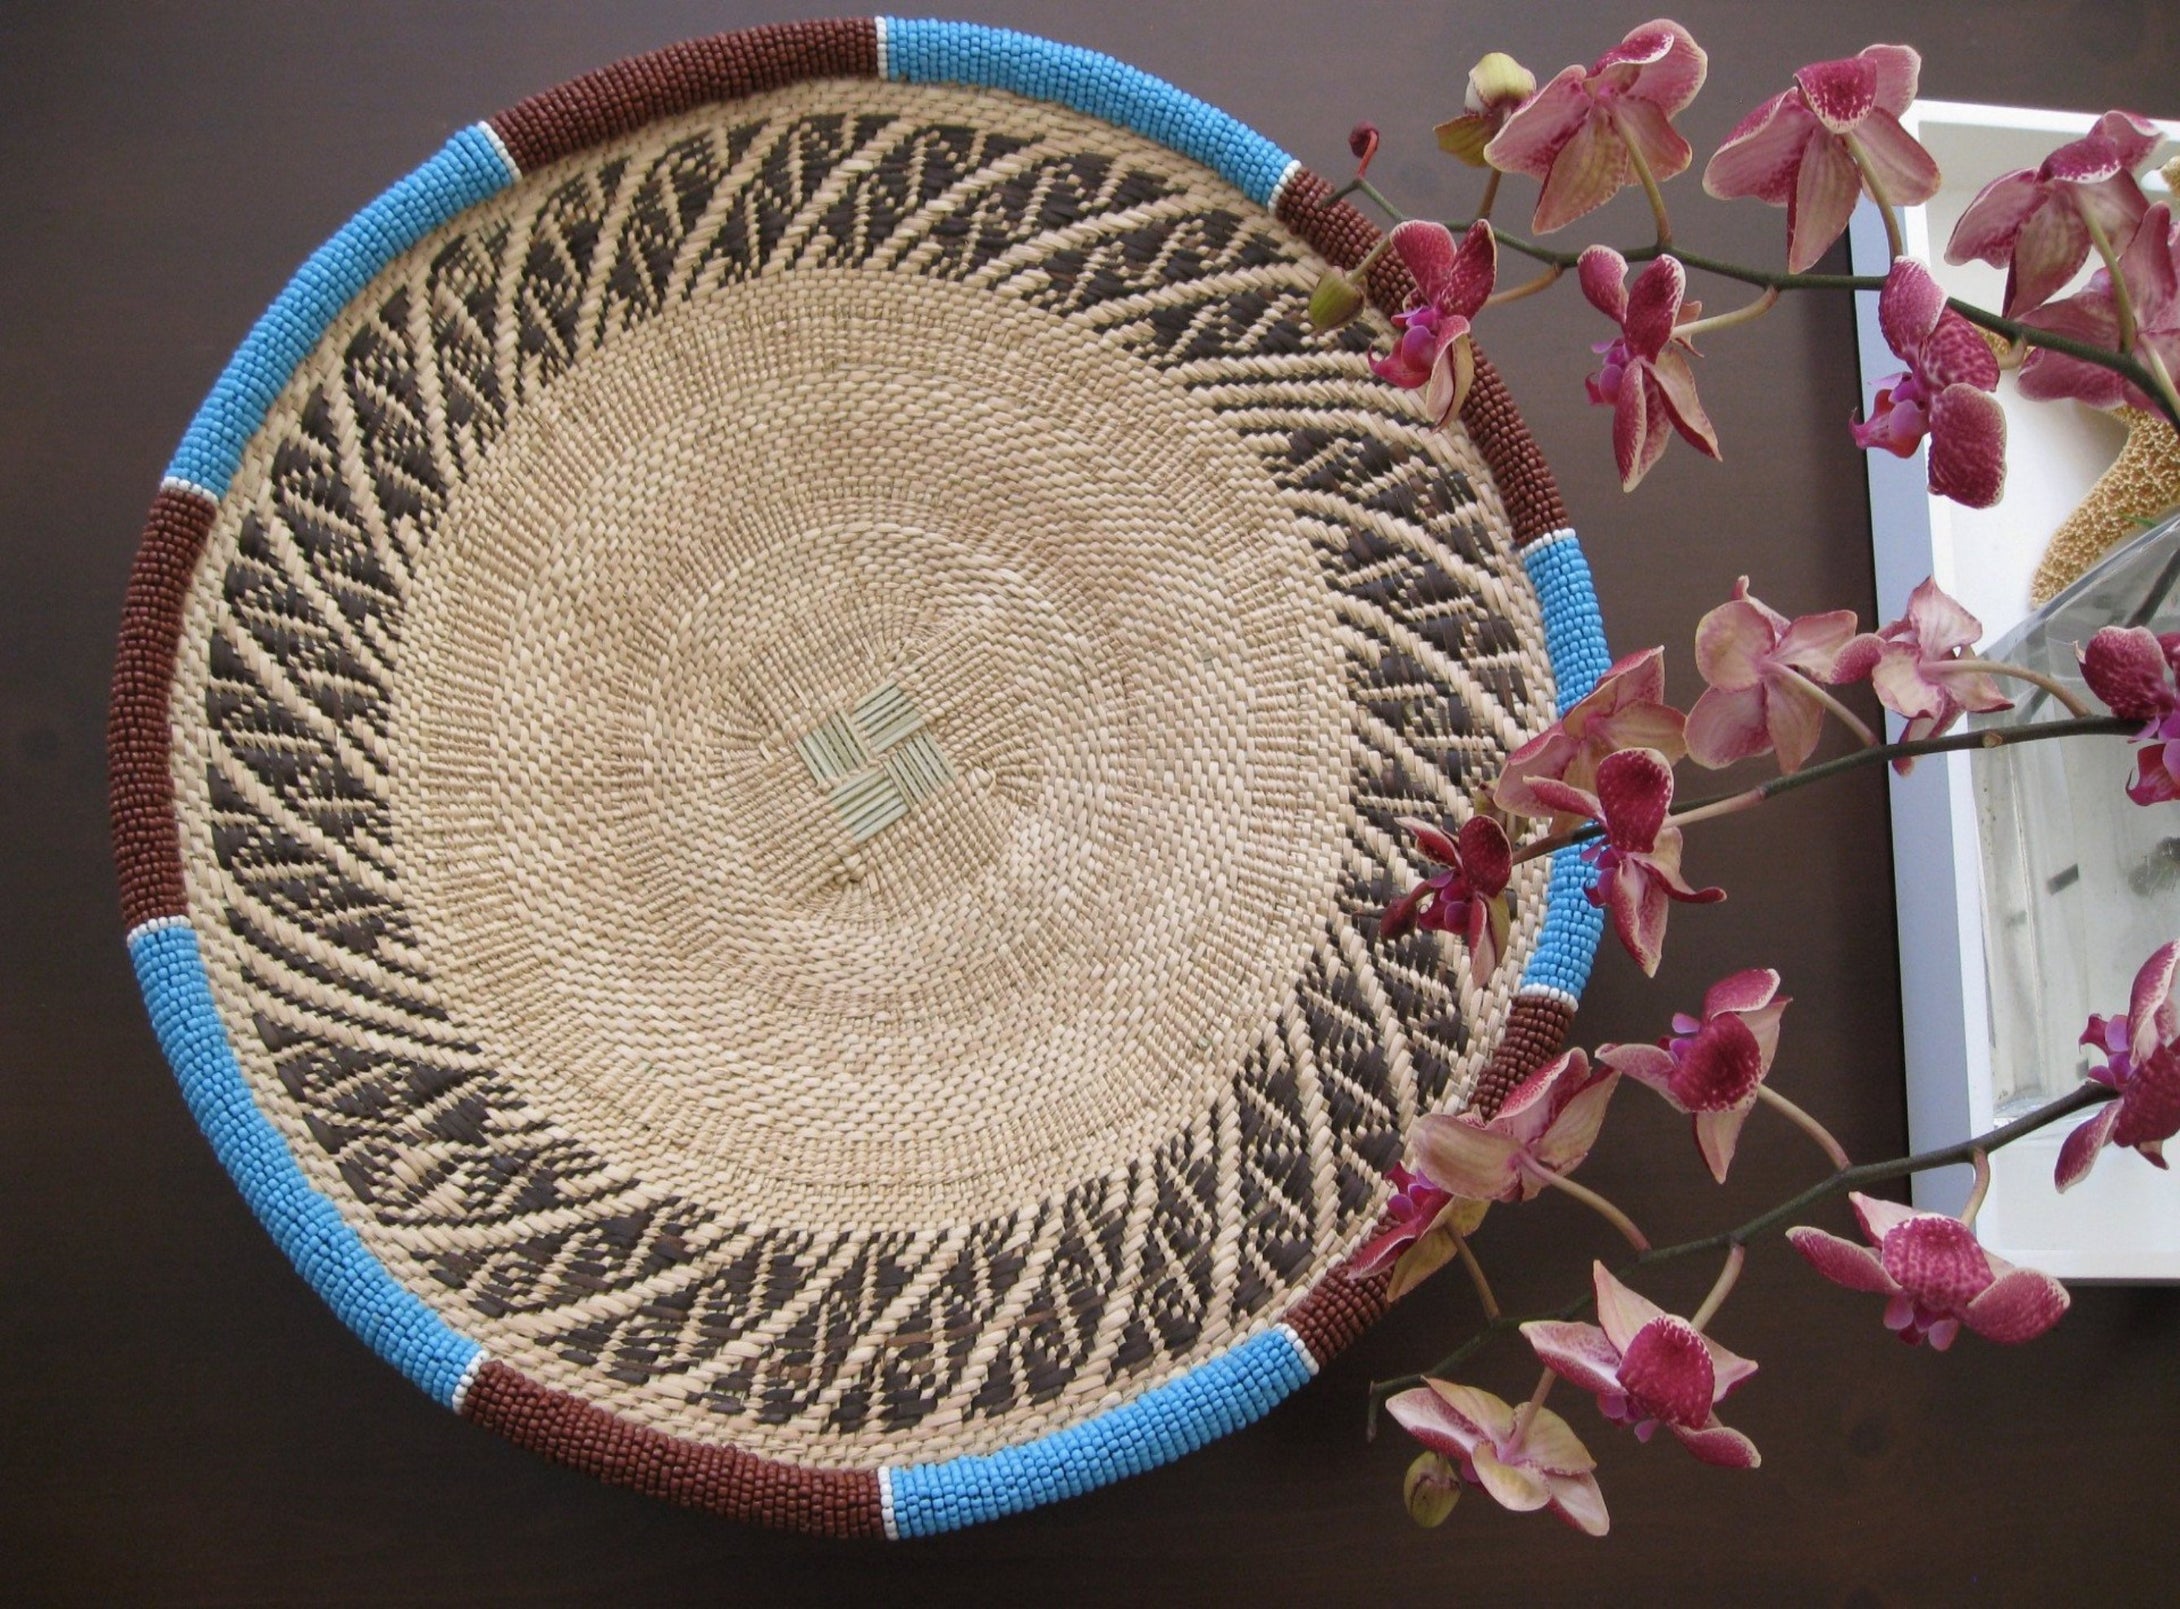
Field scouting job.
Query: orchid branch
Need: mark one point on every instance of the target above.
(1997, 737)
(2084, 1095)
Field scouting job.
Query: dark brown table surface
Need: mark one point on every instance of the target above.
(183, 1421)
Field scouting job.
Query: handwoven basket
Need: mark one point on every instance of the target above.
(757, 741)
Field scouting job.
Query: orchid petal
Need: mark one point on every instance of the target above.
(1432, 841)
(1718, 1133)
(1588, 171)
(2125, 667)
(1955, 354)
(1967, 446)
(1426, 1415)
(1839, 93)
(1730, 1369)
(1731, 643)
(1794, 716)
(1465, 1158)
(1638, 907)
(1485, 1414)
(1812, 642)
(1636, 444)
(1578, 1500)
(1877, 1216)
(1427, 251)
(1825, 191)
(1537, 130)
(1718, 1444)
(2149, 1003)
(1644, 125)
(2020, 1305)
(1513, 1486)
(1899, 73)
(1562, 798)
(1750, 989)
(1671, 375)
(1620, 1311)
(1672, 64)
(1937, 1258)
(1764, 1024)
(1903, 172)
(1635, 790)
(1719, 1068)
(1644, 726)
(1902, 687)
(1727, 726)
(1551, 1445)
(1646, 1064)
(1487, 858)
(1842, 1261)
(1574, 1131)
(1909, 307)
(1602, 273)
(1653, 306)
(1760, 156)
(1989, 223)
(1579, 1353)
(1667, 1369)
(1400, 913)
(2050, 245)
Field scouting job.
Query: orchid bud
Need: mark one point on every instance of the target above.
(1431, 1489)
(1338, 298)
(1362, 144)
(1496, 86)
(2170, 173)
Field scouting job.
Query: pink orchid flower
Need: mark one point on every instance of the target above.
(1577, 132)
(1467, 899)
(1545, 1126)
(2036, 222)
(1808, 148)
(1497, 86)
(1542, 1464)
(1712, 1065)
(1906, 665)
(1407, 1243)
(1434, 353)
(1761, 668)
(1945, 393)
(1638, 861)
(1649, 1367)
(2132, 669)
(1936, 1275)
(1645, 381)
(2142, 1062)
(2150, 269)
(1625, 710)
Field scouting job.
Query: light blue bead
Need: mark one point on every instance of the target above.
(1214, 1399)
(924, 52)
(306, 1226)
(1574, 636)
(467, 169)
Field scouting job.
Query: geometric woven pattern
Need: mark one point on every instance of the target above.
(756, 748)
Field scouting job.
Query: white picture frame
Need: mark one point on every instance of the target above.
(2123, 1221)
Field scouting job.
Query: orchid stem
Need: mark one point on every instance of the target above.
(2085, 1094)
(1982, 1187)
(1649, 182)
(1807, 1124)
(1378, 196)
(2020, 673)
(1596, 1203)
(1997, 737)
(1526, 1414)
(1544, 281)
(2123, 302)
(1847, 717)
(1722, 1287)
(1475, 1273)
(1744, 314)
(1490, 198)
(1893, 244)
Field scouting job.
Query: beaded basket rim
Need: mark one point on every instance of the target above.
(1219, 1395)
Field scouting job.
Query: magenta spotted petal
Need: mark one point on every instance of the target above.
(1712, 1066)
(1647, 1368)
(1907, 664)
(1800, 149)
(1575, 134)
(2036, 222)
(1524, 1468)
(1546, 1125)
(2142, 1062)
(1760, 668)
(1944, 395)
(1935, 1276)
(1646, 379)
(2150, 269)
(1433, 353)
(1466, 899)
(1625, 710)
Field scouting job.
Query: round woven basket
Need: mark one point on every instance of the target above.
(757, 741)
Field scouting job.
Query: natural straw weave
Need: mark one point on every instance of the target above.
(756, 748)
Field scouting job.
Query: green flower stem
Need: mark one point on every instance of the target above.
(1807, 1124)
(1748, 312)
(1893, 246)
(1721, 1288)
(1981, 1188)
(1747, 798)
(1649, 182)
(1490, 196)
(2085, 1095)
(2020, 673)
(1847, 717)
(1543, 282)
(1526, 1414)
(1595, 1202)
(1475, 1273)
(2123, 301)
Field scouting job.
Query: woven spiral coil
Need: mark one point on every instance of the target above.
(757, 739)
